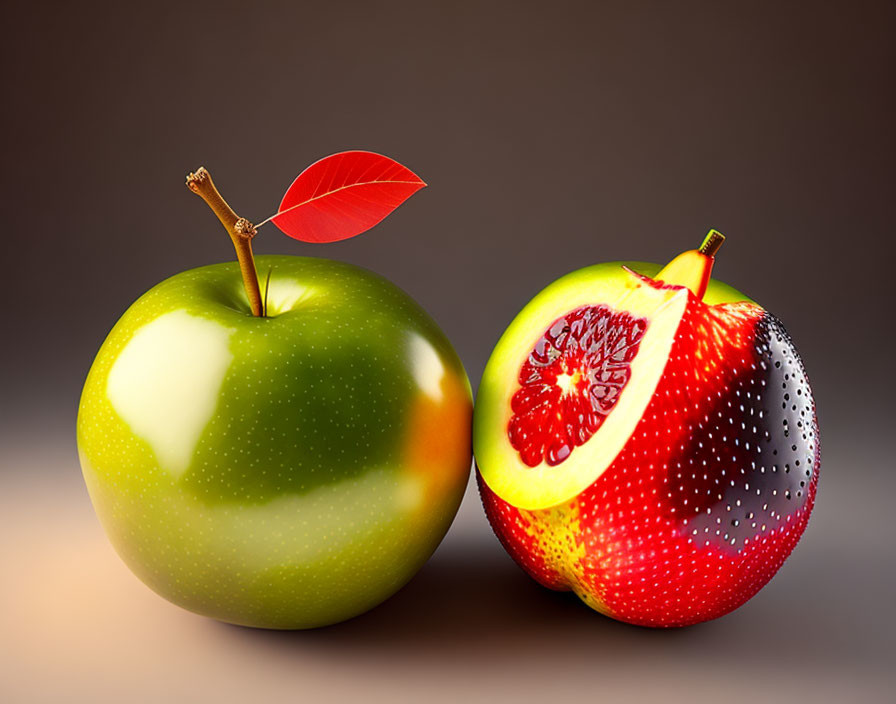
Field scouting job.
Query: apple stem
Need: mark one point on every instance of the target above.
(241, 232)
(711, 243)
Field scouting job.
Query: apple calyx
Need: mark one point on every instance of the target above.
(241, 232)
(693, 268)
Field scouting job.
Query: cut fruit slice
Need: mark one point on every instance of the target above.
(647, 440)
(583, 385)
(571, 381)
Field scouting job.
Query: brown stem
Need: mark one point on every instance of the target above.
(241, 232)
(711, 243)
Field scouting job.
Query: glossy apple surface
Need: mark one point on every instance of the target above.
(288, 471)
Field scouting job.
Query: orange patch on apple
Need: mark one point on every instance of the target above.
(438, 446)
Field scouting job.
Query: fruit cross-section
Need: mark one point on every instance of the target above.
(647, 439)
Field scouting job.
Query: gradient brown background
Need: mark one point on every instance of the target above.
(553, 135)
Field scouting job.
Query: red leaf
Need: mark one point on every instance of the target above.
(343, 195)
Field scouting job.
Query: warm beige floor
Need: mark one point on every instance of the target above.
(75, 625)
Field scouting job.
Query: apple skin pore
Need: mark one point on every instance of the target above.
(288, 471)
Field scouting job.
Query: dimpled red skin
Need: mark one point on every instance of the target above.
(640, 543)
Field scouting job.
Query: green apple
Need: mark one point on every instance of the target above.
(285, 471)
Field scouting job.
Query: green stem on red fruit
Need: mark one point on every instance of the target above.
(241, 232)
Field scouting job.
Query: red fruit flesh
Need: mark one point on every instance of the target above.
(571, 381)
(709, 494)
